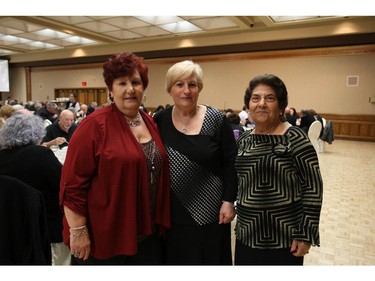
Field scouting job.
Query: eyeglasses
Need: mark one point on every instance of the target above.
(257, 98)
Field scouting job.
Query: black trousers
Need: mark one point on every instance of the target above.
(245, 255)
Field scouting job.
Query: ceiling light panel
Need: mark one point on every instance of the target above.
(49, 33)
(61, 42)
(123, 34)
(150, 31)
(98, 26)
(6, 52)
(155, 20)
(42, 45)
(126, 22)
(285, 19)
(214, 23)
(79, 40)
(71, 19)
(13, 39)
(180, 27)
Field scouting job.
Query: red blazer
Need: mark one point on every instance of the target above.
(105, 179)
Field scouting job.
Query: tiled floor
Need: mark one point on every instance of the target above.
(347, 226)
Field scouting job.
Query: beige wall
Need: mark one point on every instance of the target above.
(43, 82)
(317, 82)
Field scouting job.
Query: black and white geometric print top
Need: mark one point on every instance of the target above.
(280, 190)
(201, 167)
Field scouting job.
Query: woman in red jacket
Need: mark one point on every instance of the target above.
(115, 182)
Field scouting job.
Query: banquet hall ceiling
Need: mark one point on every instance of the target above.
(24, 38)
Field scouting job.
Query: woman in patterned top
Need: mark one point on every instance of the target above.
(280, 187)
(201, 150)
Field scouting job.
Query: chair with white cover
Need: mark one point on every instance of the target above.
(46, 123)
(314, 133)
(320, 141)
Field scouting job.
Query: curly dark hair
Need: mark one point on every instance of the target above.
(275, 83)
(124, 64)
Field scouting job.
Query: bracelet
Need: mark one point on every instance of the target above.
(83, 232)
(77, 228)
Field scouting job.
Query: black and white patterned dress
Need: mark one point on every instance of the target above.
(202, 176)
(280, 190)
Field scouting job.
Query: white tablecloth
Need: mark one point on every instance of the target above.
(61, 154)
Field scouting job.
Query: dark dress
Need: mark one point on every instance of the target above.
(279, 196)
(202, 176)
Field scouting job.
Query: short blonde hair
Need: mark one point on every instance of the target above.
(182, 70)
(6, 111)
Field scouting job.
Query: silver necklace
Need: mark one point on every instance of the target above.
(269, 131)
(184, 128)
(134, 122)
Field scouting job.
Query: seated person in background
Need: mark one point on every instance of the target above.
(23, 158)
(159, 108)
(59, 133)
(30, 105)
(228, 111)
(5, 112)
(92, 107)
(306, 120)
(235, 121)
(243, 115)
(293, 112)
(38, 105)
(82, 113)
(48, 112)
(249, 122)
(290, 117)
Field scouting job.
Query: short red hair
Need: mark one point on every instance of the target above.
(124, 64)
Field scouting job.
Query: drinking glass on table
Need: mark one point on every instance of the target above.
(54, 148)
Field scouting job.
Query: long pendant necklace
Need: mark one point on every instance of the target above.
(184, 126)
(134, 122)
(152, 158)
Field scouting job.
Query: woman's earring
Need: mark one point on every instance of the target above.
(110, 97)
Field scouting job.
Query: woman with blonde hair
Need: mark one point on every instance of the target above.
(201, 149)
(5, 112)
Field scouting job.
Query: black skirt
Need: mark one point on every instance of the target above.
(199, 245)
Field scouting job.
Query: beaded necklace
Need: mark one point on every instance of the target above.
(134, 122)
